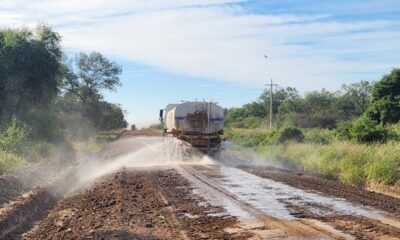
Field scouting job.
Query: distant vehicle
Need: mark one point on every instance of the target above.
(200, 124)
(133, 127)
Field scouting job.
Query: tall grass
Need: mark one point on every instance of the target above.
(10, 161)
(349, 162)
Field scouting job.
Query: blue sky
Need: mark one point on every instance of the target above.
(173, 50)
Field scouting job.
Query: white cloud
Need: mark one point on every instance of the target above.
(206, 38)
(9, 19)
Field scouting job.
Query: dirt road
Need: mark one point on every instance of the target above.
(196, 200)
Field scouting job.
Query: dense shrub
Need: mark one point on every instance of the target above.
(366, 130)
(15, 140)
(394, 132)
(290, 134)
(343, 130)
(10, 161)
(255, 140)
(14, 137)
(318, 135)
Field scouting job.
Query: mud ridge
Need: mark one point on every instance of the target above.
(10, 188)
(21, 214)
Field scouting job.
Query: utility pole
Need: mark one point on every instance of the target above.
(271, 85)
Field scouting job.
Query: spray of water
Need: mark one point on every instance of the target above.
(156, 152)
(137, 152)
(140, 152)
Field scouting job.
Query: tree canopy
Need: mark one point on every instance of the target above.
(30, 73)
(38, 88)
(89, 74)
(385, 106)
(85, 77)
(323, 108)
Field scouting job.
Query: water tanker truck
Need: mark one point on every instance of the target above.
(199, 124)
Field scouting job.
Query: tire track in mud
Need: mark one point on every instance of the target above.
(287, 228)
(172, 221)
(198, 221)
(134, 204)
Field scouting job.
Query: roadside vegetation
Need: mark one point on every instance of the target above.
(48, 101)
(158, 127)
(352, 135)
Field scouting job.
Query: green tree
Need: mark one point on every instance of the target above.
(250, 113)
(111, 116)
(254, 109)
(359, 94)
(319, 100)
(96, 114)
(353, 99)
(238, 117)
(89, 74)
(316, 109)
(346, 106)
(280, 96)
(29, 75)
(84, 80)
(385, 106)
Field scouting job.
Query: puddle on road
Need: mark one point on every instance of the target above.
(215, 198)
(269, 196)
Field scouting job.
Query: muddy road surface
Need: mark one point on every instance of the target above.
(133, 191)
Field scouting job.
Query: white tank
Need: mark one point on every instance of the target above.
(196, 117)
